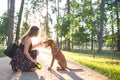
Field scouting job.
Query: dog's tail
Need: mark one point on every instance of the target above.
(74, 69)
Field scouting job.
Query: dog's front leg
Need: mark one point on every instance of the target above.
(49, 68)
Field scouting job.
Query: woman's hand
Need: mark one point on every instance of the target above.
(37, 45)
(35, 62)
(40, 43)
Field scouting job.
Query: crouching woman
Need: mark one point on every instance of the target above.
(25, 56)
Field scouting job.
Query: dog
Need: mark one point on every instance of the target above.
(57, 55)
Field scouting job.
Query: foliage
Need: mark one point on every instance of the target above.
(80, 36)
(3, 28)
(24, 28)
(110, 40)
(63, 27)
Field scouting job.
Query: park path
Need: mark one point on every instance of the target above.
(45, 58)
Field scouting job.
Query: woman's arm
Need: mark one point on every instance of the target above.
(36, 45)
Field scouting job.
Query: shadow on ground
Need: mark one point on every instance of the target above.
(23, 76)
(70, 73)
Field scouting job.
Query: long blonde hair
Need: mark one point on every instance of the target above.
(33, 31)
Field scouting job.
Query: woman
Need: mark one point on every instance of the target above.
(25, 57)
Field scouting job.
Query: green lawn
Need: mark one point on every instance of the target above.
(102, 63)
(2, 51)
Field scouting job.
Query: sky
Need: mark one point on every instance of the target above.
(3, 6)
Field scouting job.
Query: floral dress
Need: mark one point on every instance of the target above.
(19, 60)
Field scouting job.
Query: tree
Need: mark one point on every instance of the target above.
(11, 21)
(88, 17)
(100, 36)
(19, 20)
(68, 39)
(57, 23)
(80, 37)
(118, 25)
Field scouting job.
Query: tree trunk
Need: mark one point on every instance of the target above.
(61, 43)
(11, 21)
(68, 44)
(100, 40)
(19, 20)
(92, 40)
(65, 43)
(47, 28)
(68, 12)
(57, 22)
(118, 32)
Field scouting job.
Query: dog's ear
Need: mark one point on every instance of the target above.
(51, 41)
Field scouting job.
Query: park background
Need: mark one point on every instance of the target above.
(88, 31)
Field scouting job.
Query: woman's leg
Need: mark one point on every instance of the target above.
(34, 54)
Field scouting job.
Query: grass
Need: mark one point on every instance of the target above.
(102, 63)
(2, 51)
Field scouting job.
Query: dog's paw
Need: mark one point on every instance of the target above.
(49, 68)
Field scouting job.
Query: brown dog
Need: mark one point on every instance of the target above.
(57, 55)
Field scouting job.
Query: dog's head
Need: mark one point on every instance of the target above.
(49, 42)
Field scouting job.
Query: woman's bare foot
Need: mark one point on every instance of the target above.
(33, 69)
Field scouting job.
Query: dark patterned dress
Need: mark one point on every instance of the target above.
(19, 61)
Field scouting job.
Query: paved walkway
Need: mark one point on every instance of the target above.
(45, 58)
